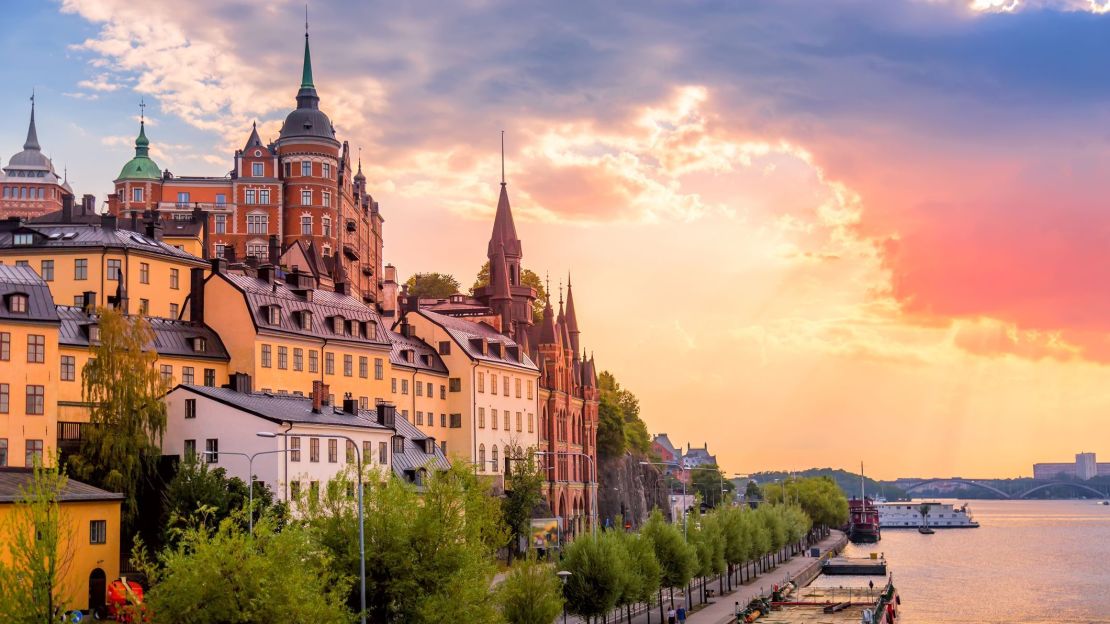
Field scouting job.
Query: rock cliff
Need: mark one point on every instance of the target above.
(628, 489)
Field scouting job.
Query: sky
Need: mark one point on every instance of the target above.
(806, 233)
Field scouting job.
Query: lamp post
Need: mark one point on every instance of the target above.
(647, 463)
(593, 473)
(564, 575)
(720, 478)
(250, 477)
(361, 522)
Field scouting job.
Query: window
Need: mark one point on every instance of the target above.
(17, 304)
(419, 418)
(210, 377)
(364, 402)
(144, 273)
(493, 384)
(306, 168)
(329, 363)
(175, 279)
(481, 382)
(258, 224)
(481, 418)
(36, 400)
(306, 197)
(252, 196)
(175, 311)
(313, 361)
(327, 223)
(3, 398)
(22, 263)
(313, 491)
(518, 388)
(287, 166)
(519, 422)
(443, 420)
(69, 368)
(314, 449)
(137, 194)
(144, 307)
(182, 197)
(98, 531)
(398, 444)
(442, 392)
(283, 358)
(294, 449)
(47, 271)
(33, 452)
(350, 447)
(190, 408)
(445, 347)
(263, 196)
(326, 170)
(379, 369)
(383, 453)
(505, 384)
(333, 450)
(23, 239)
(5, 346)
(187, 375)
(81, 269)
(529, 388)
(419, 388)
(493, 418)
(294, 486)
(212, 450)
(531, 418)
(266, 356)
(220, 250)
(167, 373)
(404, 386)
(298, 358)
(494, 458)
(257, 170)
(507, 423)
(190, 449)
(482, 457)
(221, 224)
(221, 199)
(327, 198)
(348, 365)
(113, 270)
(3, 452)
(258, 250)
(306, 225)
(36, 348)
(363, 366)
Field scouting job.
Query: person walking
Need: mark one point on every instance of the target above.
(681, 613)
(737, 614)
(670, 616)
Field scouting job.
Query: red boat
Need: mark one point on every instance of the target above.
(863, 521)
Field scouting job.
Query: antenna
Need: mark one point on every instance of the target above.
(862, 494)
(502, 158)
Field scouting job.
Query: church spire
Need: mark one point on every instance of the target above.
(306, 96)
(32, 142)
(571, 318)
(504, 230)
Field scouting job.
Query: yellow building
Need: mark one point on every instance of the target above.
(28, 368)
(150, 276)
(286, 333)
(90, 520)
(419, 386)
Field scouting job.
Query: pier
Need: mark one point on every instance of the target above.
(854, 566)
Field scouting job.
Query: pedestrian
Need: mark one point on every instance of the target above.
(681, 615)
(670, 616)
(737, 614)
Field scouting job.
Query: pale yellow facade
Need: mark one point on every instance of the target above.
(28, 391)
(421, 398)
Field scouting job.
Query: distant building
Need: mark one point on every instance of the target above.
(1083, 468)
(29, 186)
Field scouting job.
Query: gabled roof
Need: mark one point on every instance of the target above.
(253, 140)
(462, 331)
(284, 409)
(23, 280)
(424, 357)
(81, 235)
(172, 337)
(14, 481)
(414, 457)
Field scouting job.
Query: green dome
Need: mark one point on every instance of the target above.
(141, 167)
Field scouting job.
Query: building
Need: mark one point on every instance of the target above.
(697, 457)
(286, 333)
(28, 368)
(1083, 468)
(135, 272)
(304, 186)
(306, 447)
(90, 518)
(668, 454)
(29, 186)
(418, 384)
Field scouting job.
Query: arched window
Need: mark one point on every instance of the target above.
(482, 457)
(494, 457)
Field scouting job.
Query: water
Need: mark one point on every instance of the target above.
(1029, 561)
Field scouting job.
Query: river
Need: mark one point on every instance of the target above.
(1029, 561)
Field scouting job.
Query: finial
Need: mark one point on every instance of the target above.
(547, 287)
(568, 281)
(65, 173)
(560, 292)
(254, 125)
(32, 98)
(306, 20)
(360, 158)
(502, 158)
(142, 110)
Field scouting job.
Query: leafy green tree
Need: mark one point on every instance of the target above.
(819, 497)
(124, 390)
(37, 537)
(432, 285)
(220, 574)
(707, 538)
(198, 489)
(611, 441)
(523, 494)
(528, 278)
(597, 575)
(530, 594)
(678, 559)
(643, 568)
(634, 429)
(707, 482)
(752, 492)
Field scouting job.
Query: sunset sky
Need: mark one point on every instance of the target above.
(807, 233)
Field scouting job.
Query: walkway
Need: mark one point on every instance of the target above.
(719, 610)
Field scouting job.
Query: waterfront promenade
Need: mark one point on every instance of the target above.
(720, 609)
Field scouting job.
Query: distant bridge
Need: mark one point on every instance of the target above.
(986, 486)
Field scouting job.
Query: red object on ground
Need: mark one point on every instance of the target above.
(119, 596)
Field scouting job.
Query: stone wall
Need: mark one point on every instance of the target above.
(628, 489)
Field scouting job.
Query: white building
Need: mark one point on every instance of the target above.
(222, 425)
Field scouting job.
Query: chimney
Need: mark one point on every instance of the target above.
(387, 415)
(219, 265)
(240, 382)
(350, 406)
(134, 221)
(275, 250)
(266, 273)
(67, 208)
(229, 254)
(153, 226)
(88, 204)
(196, 295)
(108, 221)
(88, 301)
(317, 389)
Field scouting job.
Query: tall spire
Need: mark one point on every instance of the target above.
(504, 230)
(32, 142)
(572, 320)
(306, 72)
(502, 158)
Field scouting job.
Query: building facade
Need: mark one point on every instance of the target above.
(29, 186)
(1086, 466)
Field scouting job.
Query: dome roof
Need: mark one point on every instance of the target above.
(31, 157)
(141, 167)
(307, 120)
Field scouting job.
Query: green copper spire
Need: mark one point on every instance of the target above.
(306, 74)
(141, 167)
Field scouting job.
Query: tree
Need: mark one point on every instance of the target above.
(707, 481)
(706, 536)
(633, 428)
(528, 278)
(124, 390)
(611, 441)
(530, 594)
(643, 570)
(752, 491)
(221, 574)
(819, 497)
(37, 535)
(432, 285)
(523, 493)
(597, 571)
(198, 489)
(677, 558)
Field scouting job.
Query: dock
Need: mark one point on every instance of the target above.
(851, 566)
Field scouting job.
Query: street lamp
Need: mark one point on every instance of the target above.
(250, 473)
(564, 575)
(361, 522)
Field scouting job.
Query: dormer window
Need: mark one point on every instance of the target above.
(274, 314)
(199, 344)
(398, 444)
(17, 303)
(23, 239)
(306, 320)
(371, 330)
(338, 324)
(94, 333)
(356, 329)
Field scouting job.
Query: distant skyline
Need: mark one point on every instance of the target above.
(808, 233)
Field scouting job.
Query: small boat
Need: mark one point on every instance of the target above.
(1103, 503)
(863, 517)
(924, 530)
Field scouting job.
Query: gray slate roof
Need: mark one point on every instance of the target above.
(462, 331)
(22, 279)
(171, 336)
(289, 408)
(414, 457)
(14, 480)
(78, 235)
(424, 357)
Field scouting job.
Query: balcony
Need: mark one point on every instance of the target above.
(70, 435)
(205, 206)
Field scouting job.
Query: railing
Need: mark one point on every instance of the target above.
(71, 431)
(207, 206)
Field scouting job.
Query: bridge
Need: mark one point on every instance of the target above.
(1075, 485)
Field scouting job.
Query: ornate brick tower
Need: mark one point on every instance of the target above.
(29, 187)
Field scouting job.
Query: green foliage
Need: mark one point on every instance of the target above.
(611, 440)
(820, 498)
(198, 489)
(707, 482)
(752, 492)
(523, 493)
(530, 594)
(37, 551)
(124, 389)
(620, 427)
(706, 535)
(644, 571)
(221, 574)
(598, 570)
(528, 278)
(678, 559)
(849, 482)
(432, 285)
(429, 556)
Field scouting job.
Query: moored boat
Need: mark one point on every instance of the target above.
(863, 521)
(934, 514)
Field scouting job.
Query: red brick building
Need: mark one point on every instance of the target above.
(29, 186)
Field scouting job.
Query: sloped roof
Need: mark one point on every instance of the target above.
(80, 235)
(284, 409)
(172, 337)
(413, 457)
(462, 331)
(425, 358)
(22, 279)
(14, 480)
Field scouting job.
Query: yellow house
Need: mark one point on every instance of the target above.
(90, 521)
(28, 368)
(419, 386)
(148, 275)
(286, 333)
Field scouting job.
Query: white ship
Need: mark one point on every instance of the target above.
(910, 515)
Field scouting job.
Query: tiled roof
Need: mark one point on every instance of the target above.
(414, 457)
(24, 280)
(171, 336)
(285, 409)
(324, 304)
(424, 357)
(462, 331)
(14, 480)
(78, 235)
